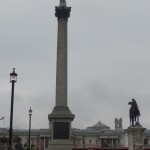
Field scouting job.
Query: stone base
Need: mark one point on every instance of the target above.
(60, 127)
(60, 145)
(61, 112)
(135, 137)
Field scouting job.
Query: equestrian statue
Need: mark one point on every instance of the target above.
(134, 112)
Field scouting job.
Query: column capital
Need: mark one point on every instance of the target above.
(62, 12)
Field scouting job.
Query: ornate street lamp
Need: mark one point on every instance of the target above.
(30, 113)
(13, 79)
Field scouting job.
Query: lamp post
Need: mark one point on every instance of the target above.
(13, 79)
(30, 113)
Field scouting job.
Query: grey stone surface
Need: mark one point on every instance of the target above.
(135, 137)
(61, 115)
(61, 145)
(62, 3)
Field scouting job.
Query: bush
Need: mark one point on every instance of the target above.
(17, 139)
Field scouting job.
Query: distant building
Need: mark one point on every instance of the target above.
(98, 135)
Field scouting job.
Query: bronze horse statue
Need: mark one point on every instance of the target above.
(134, 112)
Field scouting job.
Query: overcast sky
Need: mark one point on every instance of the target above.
(108, 60)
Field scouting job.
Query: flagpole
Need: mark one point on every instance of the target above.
(3, 122)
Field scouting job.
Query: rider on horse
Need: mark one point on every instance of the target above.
(134, 112)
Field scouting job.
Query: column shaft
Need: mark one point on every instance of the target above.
(61, 76)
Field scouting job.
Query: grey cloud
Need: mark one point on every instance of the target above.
(108, 49)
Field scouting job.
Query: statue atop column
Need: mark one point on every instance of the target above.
(134, 112)
(62, 3)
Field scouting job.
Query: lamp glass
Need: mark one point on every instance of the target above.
(30, 111)
(13, 76)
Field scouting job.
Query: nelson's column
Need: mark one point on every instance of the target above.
(61, 117)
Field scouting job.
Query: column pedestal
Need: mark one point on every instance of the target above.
(135, 137)
(60, 120)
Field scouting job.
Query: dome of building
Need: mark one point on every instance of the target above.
(99, 126)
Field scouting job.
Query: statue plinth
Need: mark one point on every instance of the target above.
(135, 137)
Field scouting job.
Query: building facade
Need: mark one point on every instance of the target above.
(97, 136)
(101, 136)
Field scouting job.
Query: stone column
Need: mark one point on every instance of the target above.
(117, 143)
(61, 117)
(62, 13)
(135, 137)
(61, 74)
(100, 143)
(112, 143)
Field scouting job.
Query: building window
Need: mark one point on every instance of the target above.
(32, 141)
(96, 142)
(90, 141)
(78, 141)
(118, 125)
(83, 141)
